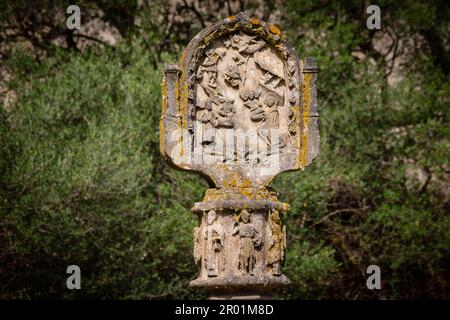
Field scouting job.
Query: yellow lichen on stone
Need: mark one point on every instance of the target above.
(305, 119)
(247, 192)
(164, 95)
(246, 183)
(276, 252)
(161, 138)
(274, 29)
(161, 121)
(254, 21)
(209, 38)
(231, 181)
(183, 99)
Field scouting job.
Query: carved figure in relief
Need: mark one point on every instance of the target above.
(292, 127)
(265, 112)
(250, 99)
(225, 114)
(256, 71)
(249, 239)
(276, 243)
(274, 68)
(245, 43)
(253, 45)
(214, 237)
(207, 119)
(232, 76)
(197, 247)
(209, 67)
(270, 103)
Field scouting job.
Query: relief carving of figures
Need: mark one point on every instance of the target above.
(214, 237)
(245, 43)
(292, 127)
(225, 113)
(250, 98)
(249, 240)
(242, 72)
(265, 112)
(270, 103)
(232, 75)
(273, 67)
(276, 243)
(222, 114)
(209, 67)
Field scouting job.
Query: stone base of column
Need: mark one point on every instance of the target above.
(239, 244)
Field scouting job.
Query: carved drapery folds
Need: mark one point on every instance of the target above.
(239, 108)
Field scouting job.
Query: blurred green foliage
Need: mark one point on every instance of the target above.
(82, 181)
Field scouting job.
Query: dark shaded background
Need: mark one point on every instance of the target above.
(82, 181)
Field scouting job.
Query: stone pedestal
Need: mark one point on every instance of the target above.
(240, 242)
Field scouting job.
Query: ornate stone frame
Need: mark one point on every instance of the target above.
(179, 95)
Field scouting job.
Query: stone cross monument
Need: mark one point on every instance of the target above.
(239, 108)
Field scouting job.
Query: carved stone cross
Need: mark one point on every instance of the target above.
(239, 108)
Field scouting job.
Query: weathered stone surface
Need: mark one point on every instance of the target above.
(241, 240)
(240, 108)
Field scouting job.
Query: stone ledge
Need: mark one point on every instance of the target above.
(219, 205)
(241, 281)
